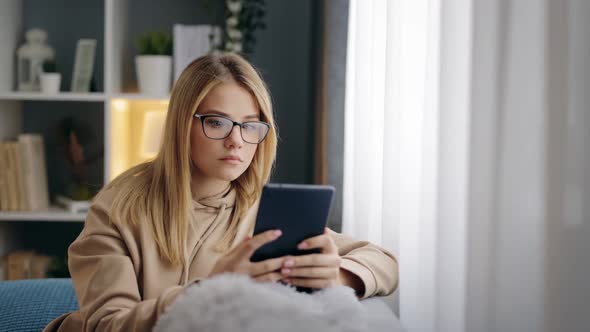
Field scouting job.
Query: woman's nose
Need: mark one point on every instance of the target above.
(235, 137)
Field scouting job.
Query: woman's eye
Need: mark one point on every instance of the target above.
(248, 126)
(214, 123)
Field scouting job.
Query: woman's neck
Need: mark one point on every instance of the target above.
(202, 187)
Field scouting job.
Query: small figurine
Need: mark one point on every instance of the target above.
(31, 57)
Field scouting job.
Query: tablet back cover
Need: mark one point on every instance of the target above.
(299, 211)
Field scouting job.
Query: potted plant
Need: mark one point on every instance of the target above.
(154, 63)
(49, 78)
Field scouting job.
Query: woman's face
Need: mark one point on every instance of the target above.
(224, 159)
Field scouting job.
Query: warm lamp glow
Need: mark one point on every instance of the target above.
(120, 105)
(153, 126)
(136, 128)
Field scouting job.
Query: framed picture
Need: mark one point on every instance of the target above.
(83, 65)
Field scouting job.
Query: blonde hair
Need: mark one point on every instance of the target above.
(159, 192)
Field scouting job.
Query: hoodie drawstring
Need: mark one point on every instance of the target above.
(210, 229)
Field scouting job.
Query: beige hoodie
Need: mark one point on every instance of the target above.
(122, 284)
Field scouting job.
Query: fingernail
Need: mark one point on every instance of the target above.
(302, 245)
(289, 262)
(277, 232)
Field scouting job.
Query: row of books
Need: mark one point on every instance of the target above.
(25, 265)
(23, 174)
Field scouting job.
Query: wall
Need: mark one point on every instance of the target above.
(286, 54)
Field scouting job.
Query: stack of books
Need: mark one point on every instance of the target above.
(23, 174)
(26, 265)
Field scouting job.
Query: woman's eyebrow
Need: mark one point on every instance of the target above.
(251, 116)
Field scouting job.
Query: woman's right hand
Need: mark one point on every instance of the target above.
(237, 260)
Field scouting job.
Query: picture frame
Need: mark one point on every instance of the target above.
(83, 65)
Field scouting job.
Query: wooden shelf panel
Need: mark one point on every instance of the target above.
(139, 96)
(54, 213)
(62, 96)
(70, 96)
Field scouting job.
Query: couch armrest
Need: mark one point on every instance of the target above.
(381, 318)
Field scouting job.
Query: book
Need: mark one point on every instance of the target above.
(34, 171)
(72, 205)
(83, 65)
(3, 179)
(27, 265)
(39, 266)
(21, 193)
(11, 183)
(191, 42)
(19, 265)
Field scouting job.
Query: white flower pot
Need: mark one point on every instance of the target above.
(50, 82)
(154, 74)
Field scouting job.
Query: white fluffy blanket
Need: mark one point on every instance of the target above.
(232, 302)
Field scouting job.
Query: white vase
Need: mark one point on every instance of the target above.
(154, 74)
(50, 82)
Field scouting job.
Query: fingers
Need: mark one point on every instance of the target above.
(312, 260)
(323, 242)
(266, 266)
(311, 283)
(311, 272)
(247, 248)
(269, 277)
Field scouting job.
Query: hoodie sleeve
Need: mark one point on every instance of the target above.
(375, 266)
(105, 280)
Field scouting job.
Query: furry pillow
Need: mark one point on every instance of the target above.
(232, 302)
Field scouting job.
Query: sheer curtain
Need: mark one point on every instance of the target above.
(391, 131)
(465, 129)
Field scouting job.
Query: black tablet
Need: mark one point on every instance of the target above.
(299, 211)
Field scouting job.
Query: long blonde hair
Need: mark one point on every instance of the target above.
(158, 192)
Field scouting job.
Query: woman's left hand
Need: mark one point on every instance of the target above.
(314, 270)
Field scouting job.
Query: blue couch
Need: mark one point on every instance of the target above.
(29, 305)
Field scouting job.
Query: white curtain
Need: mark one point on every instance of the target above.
(465, 156)
(390, 156)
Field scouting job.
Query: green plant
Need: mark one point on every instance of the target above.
(49, 66)
(154, 43)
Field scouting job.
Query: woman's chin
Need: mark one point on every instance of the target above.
(229, 175)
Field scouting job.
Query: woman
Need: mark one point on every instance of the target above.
(189, 214)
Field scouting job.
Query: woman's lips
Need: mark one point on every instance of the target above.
(231, 160)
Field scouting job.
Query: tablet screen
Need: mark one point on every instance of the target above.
(299, 211)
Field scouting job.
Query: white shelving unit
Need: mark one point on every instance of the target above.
(123, 110)
(62, 96)
(54, 213)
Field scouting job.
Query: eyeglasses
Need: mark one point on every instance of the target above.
(220, 127)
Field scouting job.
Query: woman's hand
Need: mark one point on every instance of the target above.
(314, 270)
(237, 260)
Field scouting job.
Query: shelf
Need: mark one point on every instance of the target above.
(70, 96)
(140, 96)
(62, 96)
(54, 213)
